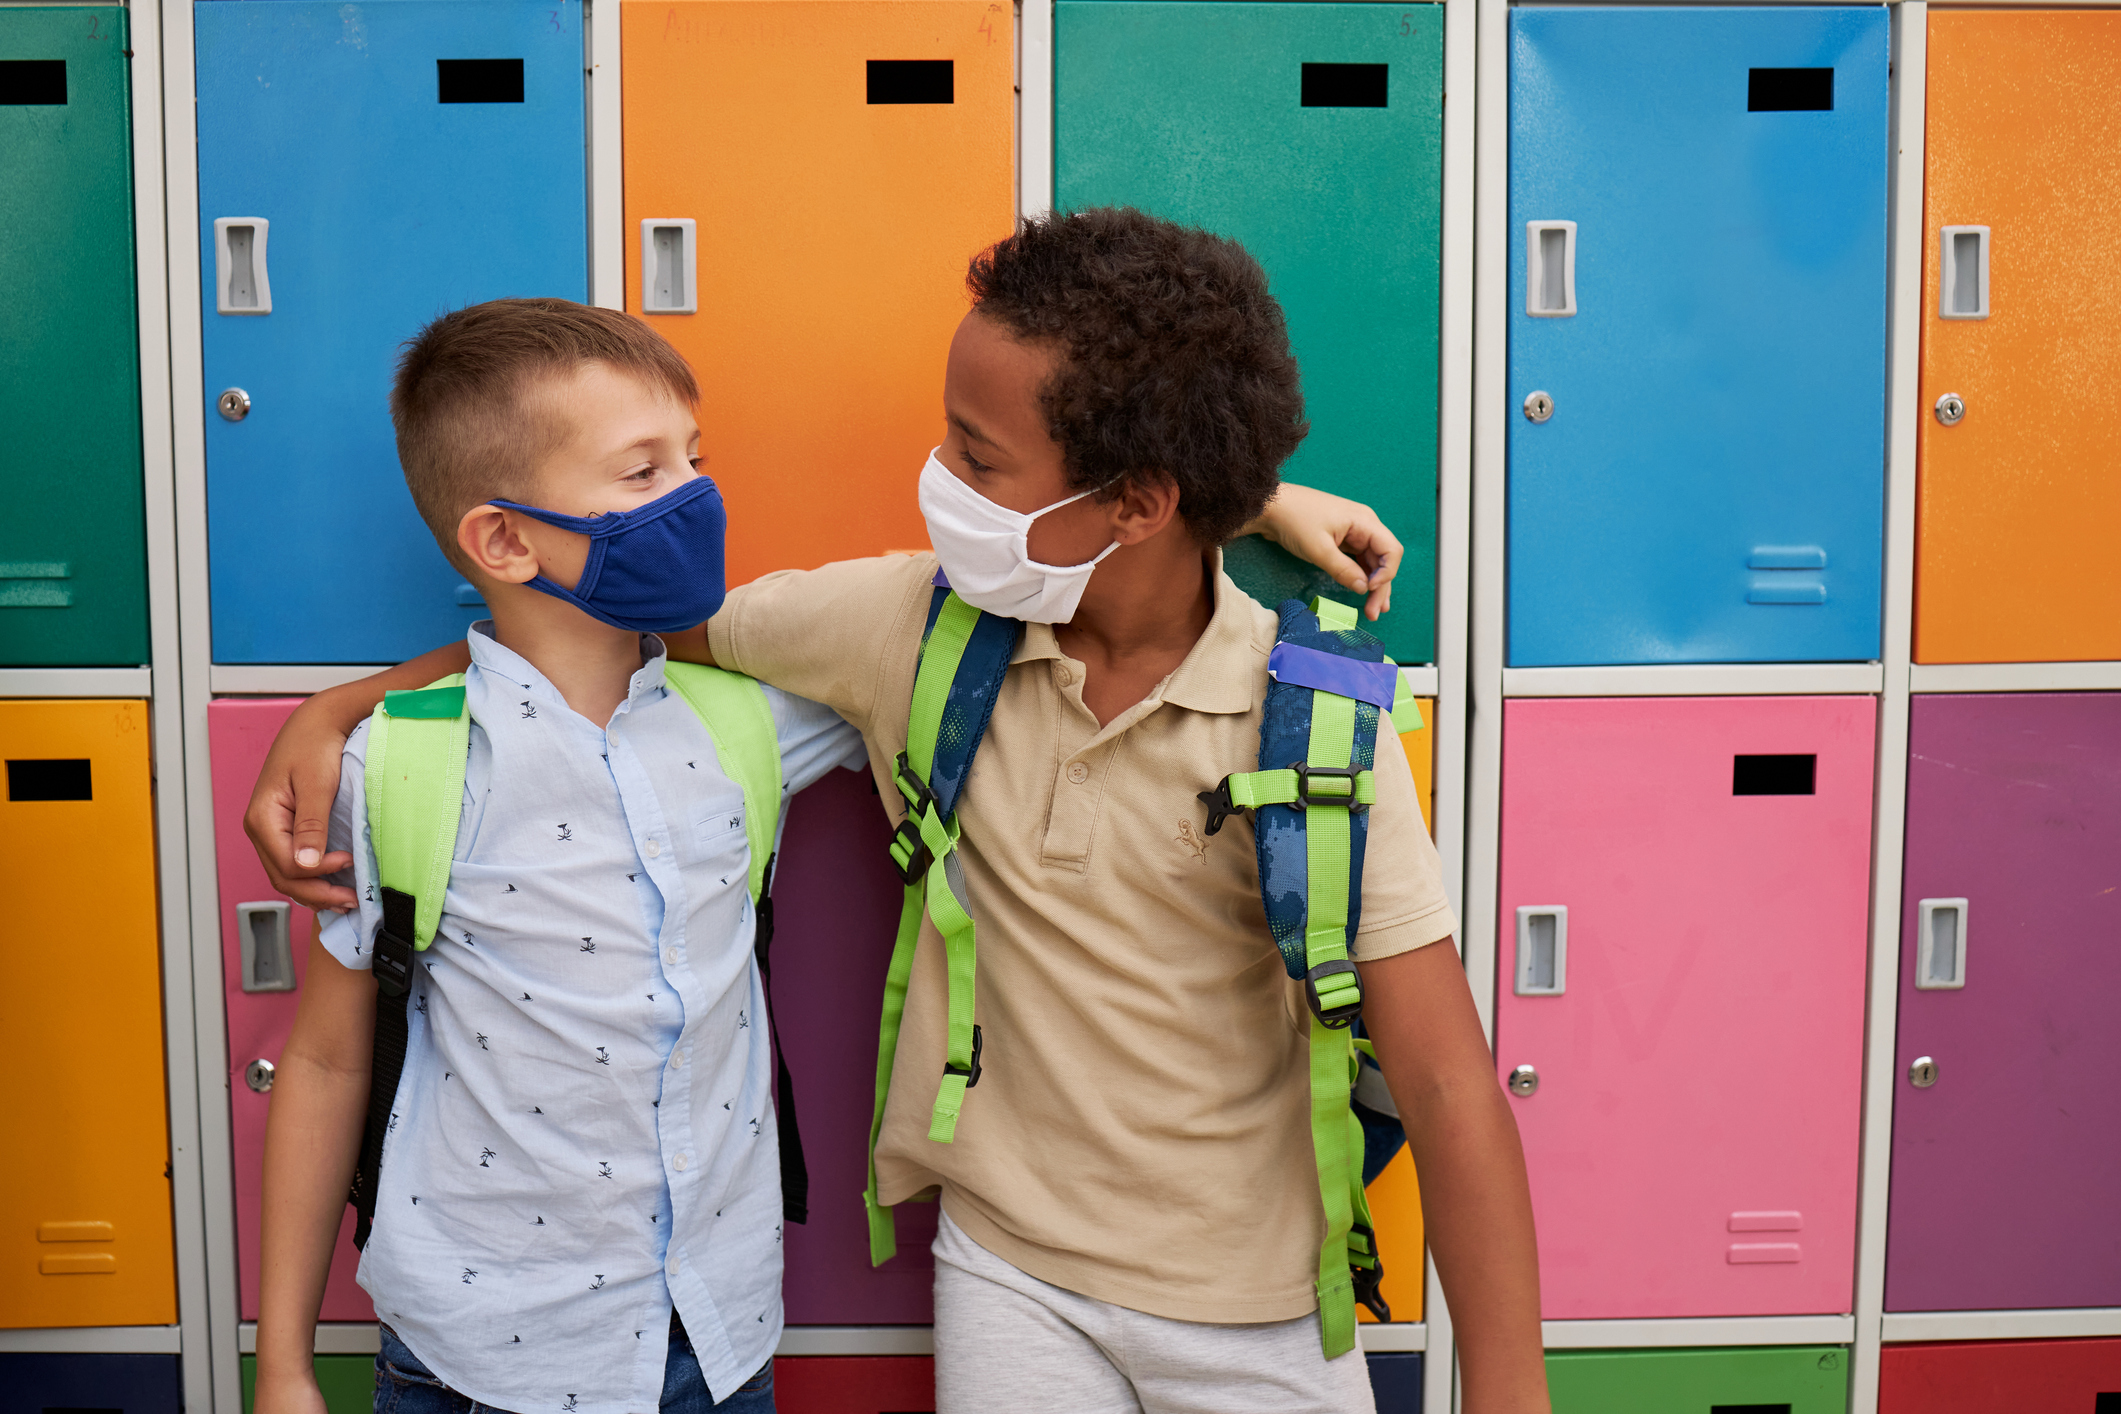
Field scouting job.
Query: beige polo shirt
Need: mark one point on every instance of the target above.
(1141, 1130)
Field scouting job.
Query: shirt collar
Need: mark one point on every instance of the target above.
(488, 654)
(1222, 672)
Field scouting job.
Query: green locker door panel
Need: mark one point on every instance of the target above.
(1804, 1379)
(1195, 112)
(73, 553)
(348, 1382)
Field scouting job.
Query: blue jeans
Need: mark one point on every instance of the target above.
(405, 1386)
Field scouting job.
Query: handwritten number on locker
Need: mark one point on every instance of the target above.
(986, 24)
(95, 27)
(1406, 24)
(555, 14)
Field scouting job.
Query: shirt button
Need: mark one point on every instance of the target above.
(1064, 675)
(677, 1059)
(678, 1163)
(671, 1266)
(654, 849)
(670, 955)
(1078, 773)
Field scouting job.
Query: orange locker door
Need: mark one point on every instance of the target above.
(2018, 496)
(84, 1202)
(806, 180)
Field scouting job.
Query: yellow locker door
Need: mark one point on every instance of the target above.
(84, 1200)
(1395, 1194)
(838, 163)
(2017, 495)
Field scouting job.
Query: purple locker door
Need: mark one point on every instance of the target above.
(1697, 1034)
(2006, 1188)
(836, 904)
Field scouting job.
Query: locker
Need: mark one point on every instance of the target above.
(836, 907)
(1808, 1379)
(1313, 134)
(1697, 334)
(2060, 1376)
(1420, 745)
(264, 956)
(2024, 142)
(1395, 1380)
(854, 1384)
(73, 539)
(361, 169)
(347, 1382)
(809, 179)
(104, 1384)
(1679, 1013)
(85, 1234)
(2006, 1164)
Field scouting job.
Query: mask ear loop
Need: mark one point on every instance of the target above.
(1086, 565)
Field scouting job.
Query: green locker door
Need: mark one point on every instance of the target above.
(1312, 133)
(347, 1382)
(73, 553)
(1798, 1379)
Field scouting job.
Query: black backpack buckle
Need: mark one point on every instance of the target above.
(1369, 1280)
(393, 946)
(1305, 796)
(1334, 1017)
(971, 1073)
(1220, 806)
(906, 841)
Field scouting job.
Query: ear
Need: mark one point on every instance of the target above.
(492, 541)
(1147, 503)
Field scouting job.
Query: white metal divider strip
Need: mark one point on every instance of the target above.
(216, 1365)
(2059, 1323)
(607, 155)
(1034, 107)
(2014, 677)
(1903, 362)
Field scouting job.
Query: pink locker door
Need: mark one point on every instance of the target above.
(262, 982)
(1695, 1015)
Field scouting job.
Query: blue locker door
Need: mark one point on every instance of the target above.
(1707, 484)
(407, 157)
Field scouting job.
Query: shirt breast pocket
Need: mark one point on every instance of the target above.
(719, 836)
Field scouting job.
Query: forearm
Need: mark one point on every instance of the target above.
(346, 706)
(312, 1141)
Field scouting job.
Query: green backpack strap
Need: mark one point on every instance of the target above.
(735, 712)
(414, 774)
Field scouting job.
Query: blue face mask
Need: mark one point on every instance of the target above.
(654, 569)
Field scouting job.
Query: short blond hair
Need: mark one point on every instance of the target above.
(468, 429)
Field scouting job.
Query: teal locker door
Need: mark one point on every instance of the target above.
(73, 539)
(1312, 133)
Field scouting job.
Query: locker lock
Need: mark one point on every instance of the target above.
(1538, 406)
(258, 1075)
(1923, 1073)
(1524, 1081)
(1950, 408)
(233, 404)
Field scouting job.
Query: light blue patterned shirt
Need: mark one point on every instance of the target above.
(584, 1132)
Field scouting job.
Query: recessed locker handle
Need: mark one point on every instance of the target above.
(267, 944)
(241, 284)
(1550, 269)
(1940, 944)
(1962, 292)
(669, 265)
(1542, 950)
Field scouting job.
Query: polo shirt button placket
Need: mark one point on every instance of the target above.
(1078, 773)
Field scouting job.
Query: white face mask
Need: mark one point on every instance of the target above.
(986, 557)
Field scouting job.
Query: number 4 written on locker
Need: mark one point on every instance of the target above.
(986, 23)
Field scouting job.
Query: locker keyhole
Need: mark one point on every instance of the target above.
(242, 267)
(32, 82)
(1553, 269)
(669, 267)
(58, 779)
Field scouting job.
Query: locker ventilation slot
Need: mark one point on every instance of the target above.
(1773, 775)
(1790, 91)
(912, 81)
(39, 82)
(27, 584)
(1344, 85)
(479, 80)
(48, 780)
(2107, 1402)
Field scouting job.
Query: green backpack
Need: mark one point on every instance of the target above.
(417, 743)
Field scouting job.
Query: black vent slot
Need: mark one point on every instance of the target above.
(912, 81)
(48, 780)
(24, 82)
(1344, 85)
(2107, 1402)
(1749, 1409)
(1789, 91)
(1772, 775)
(479, 80)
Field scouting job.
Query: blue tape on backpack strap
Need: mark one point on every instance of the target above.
(1374, 683)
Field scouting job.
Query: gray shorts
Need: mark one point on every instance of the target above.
(1007, 1343)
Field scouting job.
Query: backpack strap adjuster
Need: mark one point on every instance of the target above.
(393, 947)
(1368, 1279)
(1336, 1013)
(971, 1072)
(910, 854)
(1348, 796)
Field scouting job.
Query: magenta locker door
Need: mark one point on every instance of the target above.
(1694, 1018)
(264, 952)
(836, 904)
(2007, 1165)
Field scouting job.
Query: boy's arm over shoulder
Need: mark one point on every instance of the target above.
(1403, 901)
(346, 936)
(828, 634)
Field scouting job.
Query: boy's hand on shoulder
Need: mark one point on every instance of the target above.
(1342, 537)
(288, 1392)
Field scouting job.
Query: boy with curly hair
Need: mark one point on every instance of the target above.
(1130, 1207)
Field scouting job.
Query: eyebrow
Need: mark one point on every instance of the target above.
(971, 431)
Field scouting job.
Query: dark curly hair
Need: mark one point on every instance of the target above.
(1175, 358)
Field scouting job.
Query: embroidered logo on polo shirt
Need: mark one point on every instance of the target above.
(1193, 840)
